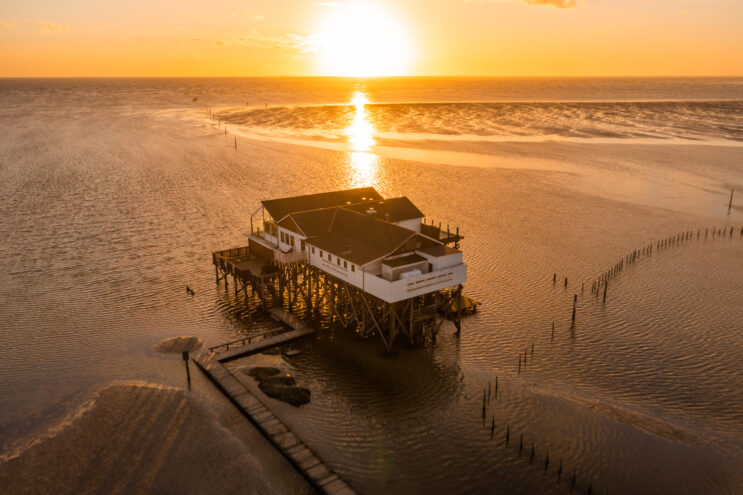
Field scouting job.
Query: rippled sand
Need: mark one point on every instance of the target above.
(139, 439)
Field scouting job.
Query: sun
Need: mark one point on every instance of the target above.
(362, 39)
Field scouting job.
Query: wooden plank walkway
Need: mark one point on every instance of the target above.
(307, 462)
(315, 471)
(300, 329)
(253, 347)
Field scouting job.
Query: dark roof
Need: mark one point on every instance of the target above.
(311, 223)
(404, 260)
(398, 209)
(279, 208)
(289, 224)
(360, 238)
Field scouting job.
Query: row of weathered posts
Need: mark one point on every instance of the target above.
(532, 451)
(213, 116)
(600, 284)
(599, 287)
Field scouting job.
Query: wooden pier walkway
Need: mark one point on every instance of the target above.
(247, 348)
(317, 473)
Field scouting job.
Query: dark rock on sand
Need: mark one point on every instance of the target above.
(278, 386)
(261, 373)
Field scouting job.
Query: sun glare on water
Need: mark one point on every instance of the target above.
(362, 39)
(360, 133)
(364, 164)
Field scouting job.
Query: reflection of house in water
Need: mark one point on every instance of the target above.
(372, 261)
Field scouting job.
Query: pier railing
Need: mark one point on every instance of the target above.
(246, 340)
(240, 252)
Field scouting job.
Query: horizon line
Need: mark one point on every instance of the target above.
(450, 76)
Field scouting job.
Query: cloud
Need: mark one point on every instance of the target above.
(6, 25)
(560, 4)
(210, 42)
(255, 17)
(288, 41)
(48, 26)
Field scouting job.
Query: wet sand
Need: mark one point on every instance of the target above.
(145, 439)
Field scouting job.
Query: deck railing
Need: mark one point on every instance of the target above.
(438, 233)
(293, 256)
(240, 252)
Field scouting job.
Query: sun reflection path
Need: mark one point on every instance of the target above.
(360, 131)
(364, 165)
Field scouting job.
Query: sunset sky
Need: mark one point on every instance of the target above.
(385, 37)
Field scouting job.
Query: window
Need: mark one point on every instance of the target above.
(313, 249)
(353, 267)
(345, 265)
(321, 255)
(330, 258)
(282, 236)
(339, 261)
(292, 240)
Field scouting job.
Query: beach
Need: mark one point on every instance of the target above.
(149, 439)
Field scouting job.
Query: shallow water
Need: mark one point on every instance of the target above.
(114, 194)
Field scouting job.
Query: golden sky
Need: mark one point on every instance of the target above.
(371, 37)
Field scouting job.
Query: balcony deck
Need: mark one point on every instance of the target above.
(438, 234)
(399, 290)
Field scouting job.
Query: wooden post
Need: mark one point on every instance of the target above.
(483, 408)
(235, 143)
(188, 373)
(730, 204)
(554, 279)
(575, 303)
(458, 323)
(606, 284)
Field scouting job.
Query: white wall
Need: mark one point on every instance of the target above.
(441, 262)
(347, 273)
(370, 280)
(284, 246)
(412, 287)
